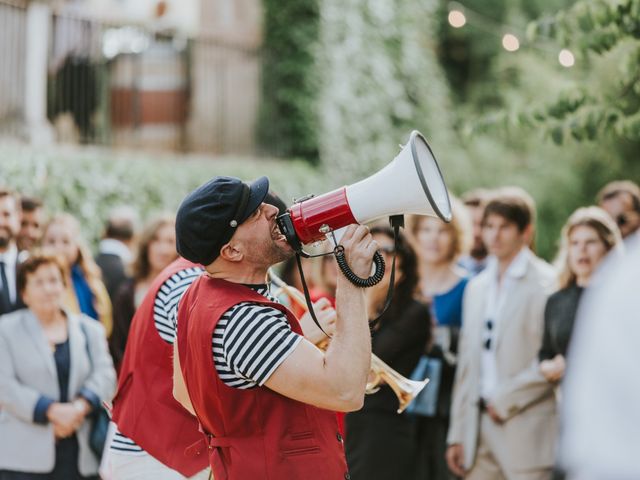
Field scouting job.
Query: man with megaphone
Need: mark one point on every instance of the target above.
(264, 396)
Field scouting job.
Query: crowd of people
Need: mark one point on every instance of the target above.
(474, 309)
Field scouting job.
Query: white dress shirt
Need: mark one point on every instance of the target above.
(10, 258)
(498, 292)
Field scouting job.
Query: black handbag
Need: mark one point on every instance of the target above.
(99, 418)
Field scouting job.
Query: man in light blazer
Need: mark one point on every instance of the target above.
(503, 415)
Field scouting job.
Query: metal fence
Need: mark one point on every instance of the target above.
(12, 70)
(126, 85)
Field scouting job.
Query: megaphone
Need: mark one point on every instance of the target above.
(410, 184)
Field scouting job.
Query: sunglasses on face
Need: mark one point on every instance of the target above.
(622, 220)
(489, 326)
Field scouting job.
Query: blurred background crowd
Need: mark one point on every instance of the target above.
(457, 288)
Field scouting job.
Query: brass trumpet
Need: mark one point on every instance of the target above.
(405, 389)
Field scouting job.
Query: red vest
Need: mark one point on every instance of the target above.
(254, 433)
(144, 408)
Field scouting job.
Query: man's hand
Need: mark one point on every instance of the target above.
(455, 459)
(65, 418)
(326, 315)
(553, 370)
(359, 248)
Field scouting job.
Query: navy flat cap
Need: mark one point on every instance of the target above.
(209, 216)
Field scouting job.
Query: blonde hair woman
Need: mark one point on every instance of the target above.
(85, 291)
(587, 237)
(442, 283)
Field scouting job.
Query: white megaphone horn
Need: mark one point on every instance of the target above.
(410, 184)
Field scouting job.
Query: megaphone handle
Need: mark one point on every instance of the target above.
(374, 279)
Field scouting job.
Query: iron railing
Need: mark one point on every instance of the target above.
(127, 85)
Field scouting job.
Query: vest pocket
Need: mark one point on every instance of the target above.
(301, 435)
(294, 452)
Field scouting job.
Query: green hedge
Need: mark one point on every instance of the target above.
(88, 182)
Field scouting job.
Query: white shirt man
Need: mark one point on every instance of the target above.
(503, 421)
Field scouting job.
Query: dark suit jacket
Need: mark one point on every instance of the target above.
(559, 316)
(113, 273)
(11, 307)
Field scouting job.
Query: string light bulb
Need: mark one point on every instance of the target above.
(566, 58)
(457, 19)
(510, 42)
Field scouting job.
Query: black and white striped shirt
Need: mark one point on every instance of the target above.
(250, 341)
(165, 310)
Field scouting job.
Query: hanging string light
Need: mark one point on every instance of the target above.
(510, 42)
(457, 19)
(566, 58)
(459, 16)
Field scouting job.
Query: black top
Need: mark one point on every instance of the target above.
(123, 310)
(399, 341)
(62, 358)
(559, 316)
(113, 272)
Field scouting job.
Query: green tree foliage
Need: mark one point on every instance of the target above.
(559, 133)
(288, 125)
(467, 54)
(607, 33)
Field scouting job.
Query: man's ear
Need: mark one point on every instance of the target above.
(529, 234)
(230, 253)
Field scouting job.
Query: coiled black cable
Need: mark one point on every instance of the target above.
(374, 279)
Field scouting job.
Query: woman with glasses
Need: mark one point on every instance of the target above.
(380, 443)
(621, 200)
(587, 237)
(442, 284)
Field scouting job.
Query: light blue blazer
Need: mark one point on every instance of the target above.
(28, 371)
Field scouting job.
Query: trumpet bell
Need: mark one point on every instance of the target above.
(405, 389)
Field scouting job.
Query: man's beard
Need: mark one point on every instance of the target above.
(279, 254)
(5, 238)
(270, 253)
(479, 252)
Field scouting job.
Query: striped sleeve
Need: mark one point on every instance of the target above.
(249, 343)
(165, 307)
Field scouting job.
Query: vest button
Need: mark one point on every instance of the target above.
(347, 476)
(339, 437)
